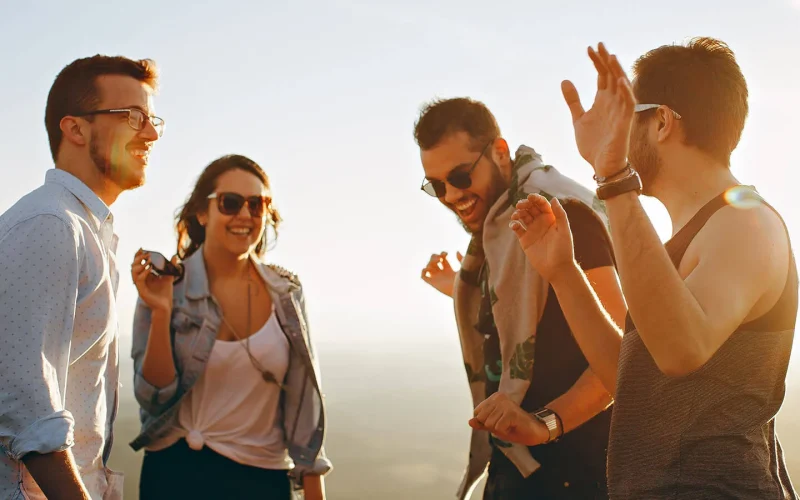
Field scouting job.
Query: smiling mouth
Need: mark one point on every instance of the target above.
(140, 154)
(241, 231)
(465, 209)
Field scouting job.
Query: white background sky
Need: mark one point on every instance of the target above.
(324, 96)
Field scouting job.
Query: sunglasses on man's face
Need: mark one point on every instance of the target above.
(232, 203)
(458, 178)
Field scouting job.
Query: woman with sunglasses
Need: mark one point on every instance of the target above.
(225, 374)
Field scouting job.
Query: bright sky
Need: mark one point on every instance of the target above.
(324, 96)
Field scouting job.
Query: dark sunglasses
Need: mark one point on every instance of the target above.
(161, 266)
(459, 178)
(232, 203)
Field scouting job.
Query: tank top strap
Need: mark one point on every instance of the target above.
(677, 245)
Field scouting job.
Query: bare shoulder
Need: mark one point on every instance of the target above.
(748, 243)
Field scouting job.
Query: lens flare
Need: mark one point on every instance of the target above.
(744, 197)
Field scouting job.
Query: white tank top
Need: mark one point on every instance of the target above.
(231, 409)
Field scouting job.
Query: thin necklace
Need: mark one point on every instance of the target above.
(267, 375)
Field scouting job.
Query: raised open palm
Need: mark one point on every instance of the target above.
(603, 133)
(544, 234)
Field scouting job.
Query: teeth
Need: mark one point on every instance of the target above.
(466, 205)
(240, 230)
(140, 152)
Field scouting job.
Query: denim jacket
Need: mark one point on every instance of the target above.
(194, 324)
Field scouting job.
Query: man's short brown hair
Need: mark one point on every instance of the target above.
(74, 90)
(703, 83)
(443, 117)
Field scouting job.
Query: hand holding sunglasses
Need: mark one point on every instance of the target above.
(161, 266)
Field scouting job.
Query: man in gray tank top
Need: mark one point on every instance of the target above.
(699, 373)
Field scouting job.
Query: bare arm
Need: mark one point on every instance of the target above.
(57, 475)
(683, 322)
(158, 367)
(313, 487)
(598, 335)
(590, 394)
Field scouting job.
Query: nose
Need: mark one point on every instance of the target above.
(149, 132)
(452, 194)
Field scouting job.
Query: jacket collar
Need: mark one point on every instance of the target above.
(196, 276)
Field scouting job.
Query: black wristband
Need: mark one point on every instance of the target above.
(630, 182)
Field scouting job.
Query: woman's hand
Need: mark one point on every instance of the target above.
(155, 291)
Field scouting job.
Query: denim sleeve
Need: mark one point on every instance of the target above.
(39, 276)
(152, 399)
(310, 417)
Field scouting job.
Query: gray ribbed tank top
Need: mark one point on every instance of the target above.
(710, 434)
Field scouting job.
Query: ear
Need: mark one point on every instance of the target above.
(75, 130)
(202, 218)
(667, 124)
(501, 156)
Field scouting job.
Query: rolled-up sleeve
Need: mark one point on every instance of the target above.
(39, 273)
(152, 399)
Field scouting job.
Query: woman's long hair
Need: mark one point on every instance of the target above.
(191, 234)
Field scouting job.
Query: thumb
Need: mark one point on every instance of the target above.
(573, 100)
(459, 257)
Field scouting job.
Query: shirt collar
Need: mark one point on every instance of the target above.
(89, 198)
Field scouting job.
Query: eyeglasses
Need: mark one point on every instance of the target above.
(460, 178)
(232, 203)
(136, 118)
(644, 107)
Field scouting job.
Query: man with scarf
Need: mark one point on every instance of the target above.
(513, 334)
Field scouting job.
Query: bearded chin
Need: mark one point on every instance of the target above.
(115, 173)
(101, 162)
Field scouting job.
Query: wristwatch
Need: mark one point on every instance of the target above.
(550, 419)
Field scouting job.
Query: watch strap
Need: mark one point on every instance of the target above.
(631, 182)
(549, 418)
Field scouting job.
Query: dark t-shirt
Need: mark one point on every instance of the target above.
(575, 465)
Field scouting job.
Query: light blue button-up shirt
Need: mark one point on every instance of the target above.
(59, 352)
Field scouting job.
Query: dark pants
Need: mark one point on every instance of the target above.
(179, 472)
(506, 483)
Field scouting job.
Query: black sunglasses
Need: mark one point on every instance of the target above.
(161, 266)
(459, 178)
(232, 203)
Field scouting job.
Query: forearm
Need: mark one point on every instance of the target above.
(593, 329)
(158, 366)
(313, 487)
(585, 399)
(57, 475)
(668, 318)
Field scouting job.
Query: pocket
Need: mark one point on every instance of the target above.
(114, 485)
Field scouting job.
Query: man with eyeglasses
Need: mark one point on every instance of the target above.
(59, 352)
(514, 337)
(700, 372)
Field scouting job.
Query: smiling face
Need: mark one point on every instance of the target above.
(241, 233)
(118, 151)
(456, 152)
